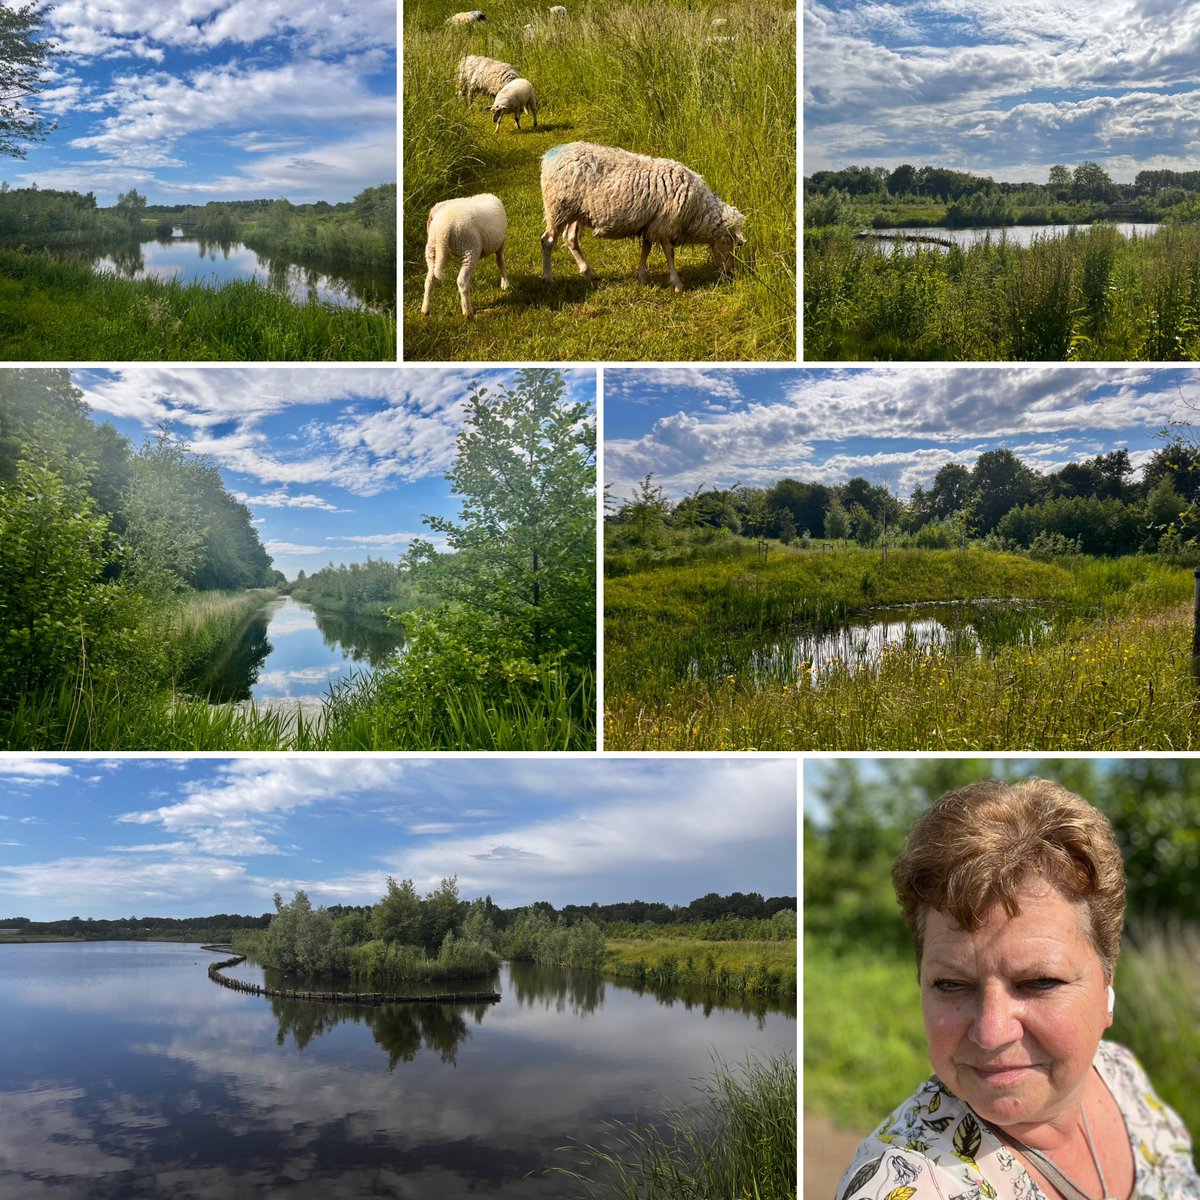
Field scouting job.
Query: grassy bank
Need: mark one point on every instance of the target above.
(657, 79)
(749, 968)
(864, 1045)
(737, 1140)
(63, 311)
(683, 644)
(1092, 295)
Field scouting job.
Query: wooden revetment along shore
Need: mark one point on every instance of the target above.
(255, 989)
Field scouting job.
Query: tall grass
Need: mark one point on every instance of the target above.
(1090, 295)
(737, 1140)
(655, 79)
(743, 968)
(63, 311)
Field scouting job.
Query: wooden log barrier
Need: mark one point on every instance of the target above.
(255, 989)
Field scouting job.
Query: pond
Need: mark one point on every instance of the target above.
(964, 627)
(193, 260)
(290, 651)
(1015, 235)
(129, 1074)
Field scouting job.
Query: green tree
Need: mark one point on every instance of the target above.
(397, 915)
(837, 521)
(24, 60)
(442, 913)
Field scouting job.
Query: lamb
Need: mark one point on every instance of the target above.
(469, 228)
(621, 194)
(514, 97)
(478, 73)
(465, 18)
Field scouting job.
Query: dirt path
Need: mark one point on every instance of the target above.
(827, 1153)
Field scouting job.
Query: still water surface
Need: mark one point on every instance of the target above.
(291, 651)
(1014, 235)
(127, 1073)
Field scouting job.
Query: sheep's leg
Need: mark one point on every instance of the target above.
(672, 274)
(503, 269)
(646, 244)
(470, 262)
(517, 118)
(425, 306)
(534, 107)
(571, 237)
(548, 240)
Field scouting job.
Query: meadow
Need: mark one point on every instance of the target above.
(56, 310)
(1091, 295)
(685, 667)
(657, 79)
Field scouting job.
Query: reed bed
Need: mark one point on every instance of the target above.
(746, 968)
(737, 1140)
(654, 78)
(54, 310)
(1090, 295)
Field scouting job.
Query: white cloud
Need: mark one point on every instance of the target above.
(33, 772)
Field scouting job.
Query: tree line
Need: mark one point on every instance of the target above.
(95, 532)
(1092, 507)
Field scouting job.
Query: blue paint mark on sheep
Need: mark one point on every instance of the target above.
(554, 151)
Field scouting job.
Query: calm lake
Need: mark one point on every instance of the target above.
(1017, 235)
(191, 260)
(128, 1073)
(291, 651)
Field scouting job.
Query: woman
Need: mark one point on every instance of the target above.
(1015, 897)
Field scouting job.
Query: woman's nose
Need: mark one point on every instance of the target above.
(995, 1021)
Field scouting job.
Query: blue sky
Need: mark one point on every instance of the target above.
(198, 100)
(895, 426)
(335, 463)
(1006, 90)
(137, 835)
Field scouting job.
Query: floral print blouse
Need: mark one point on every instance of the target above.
(934, 1148)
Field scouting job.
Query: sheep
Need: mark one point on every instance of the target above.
(557, 10)
(478, 73)
(469, 228)
(514, 97)
(465, 18)
(620, 194)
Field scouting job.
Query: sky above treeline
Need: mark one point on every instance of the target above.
(894, 426)
(336, 464)
(199, 100)
(1006, 90)
(186, 836)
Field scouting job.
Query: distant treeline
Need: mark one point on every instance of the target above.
(1091, 507)
(375, 585)
(358, 231)
(218, 928)
(1080, 194)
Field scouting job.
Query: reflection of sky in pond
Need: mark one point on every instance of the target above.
(129, 1074)
(1014, 235)
(301, 663)
(212, 263)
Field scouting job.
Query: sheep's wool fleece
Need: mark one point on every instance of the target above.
(621, 194)
(478, 73)
(471, 223)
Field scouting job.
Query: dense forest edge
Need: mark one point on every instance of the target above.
(859, 966)
(123, 570)
(1065, 598)
(1090, 294)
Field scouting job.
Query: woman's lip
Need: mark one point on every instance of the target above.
(1002, 1074)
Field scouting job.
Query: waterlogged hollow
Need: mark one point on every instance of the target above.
(914, 238)
(129, 1074)
(193, 260)
(971, 628)
(291, 651)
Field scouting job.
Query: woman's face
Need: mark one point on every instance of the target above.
(1015, 1010)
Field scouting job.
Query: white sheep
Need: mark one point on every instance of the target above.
(470, 228)
(514, 97)
(465, 18)
(620, 194)
(478, 73)
(557, 10)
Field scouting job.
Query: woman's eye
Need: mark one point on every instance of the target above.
(1044, 984)
(949, 986)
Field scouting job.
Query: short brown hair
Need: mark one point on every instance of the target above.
(978, 845)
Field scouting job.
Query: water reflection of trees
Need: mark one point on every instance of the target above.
(400, 1030)
(373, 639)
(231, 677)
(534, 985)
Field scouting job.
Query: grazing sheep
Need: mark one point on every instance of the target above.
(478, 73)
(514, 97)
(620, 194)
(557, 10)
(465, 18)
(469, 228)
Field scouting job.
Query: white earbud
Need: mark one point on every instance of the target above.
(1112, 1000)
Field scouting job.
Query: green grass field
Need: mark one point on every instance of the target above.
(682, 648)
(653, 79)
